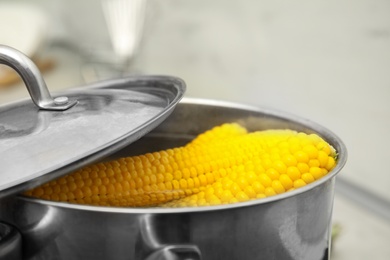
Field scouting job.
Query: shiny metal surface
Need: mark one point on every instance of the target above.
(33, 79)
(108, 116)
(10, 243)
(290, 226)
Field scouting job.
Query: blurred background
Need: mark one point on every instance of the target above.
(327, 61)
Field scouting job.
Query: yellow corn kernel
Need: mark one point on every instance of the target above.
(301, 156)
(234, 188)
(325, 147)
(331, 163)
(258, 187)
(223, 165)
(303, 167)
(226, 196)
(322, 158)
(273, 174)
(307, 177)
(286, 181)
(38, 192)
(299, 183)
(314, 163)
(311, 150)
(241, 196)
(290, 160)
(269, 191)
(265, 180)
(316, 172)
(250, 192)
(278, 187)
(293, 172)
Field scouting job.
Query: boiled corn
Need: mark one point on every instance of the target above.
(223, 165)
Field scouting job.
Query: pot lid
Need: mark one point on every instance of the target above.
(47, 137)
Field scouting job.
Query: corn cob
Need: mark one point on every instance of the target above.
(223, 165)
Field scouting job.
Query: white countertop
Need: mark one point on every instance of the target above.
(363, 234)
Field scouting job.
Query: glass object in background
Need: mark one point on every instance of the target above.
(125, 20)
(106, 33)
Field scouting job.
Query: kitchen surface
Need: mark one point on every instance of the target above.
(327, 61)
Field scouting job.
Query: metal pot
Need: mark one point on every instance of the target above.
(294, 225)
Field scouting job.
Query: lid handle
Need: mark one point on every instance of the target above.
(33, 80)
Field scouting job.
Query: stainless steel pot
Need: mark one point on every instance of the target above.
(290, 226)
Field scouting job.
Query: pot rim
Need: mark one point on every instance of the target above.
(322, 131)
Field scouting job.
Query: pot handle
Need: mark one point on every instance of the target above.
(33, 80)
(176, 252)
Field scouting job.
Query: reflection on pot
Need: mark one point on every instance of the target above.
(39, 225)
(23, 121)
(153, 247)
(10, 243)
(300, 242)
